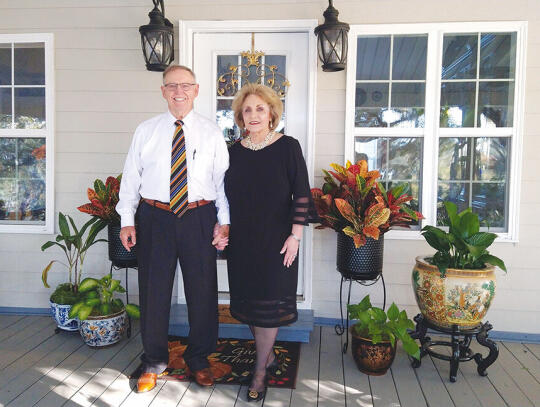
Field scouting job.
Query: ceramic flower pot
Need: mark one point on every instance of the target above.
(103, 331)
(462, 298)
(118, 255)
(371, 359)
(362, 263)
(60, 314)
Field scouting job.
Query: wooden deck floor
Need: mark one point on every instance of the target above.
(39, 368)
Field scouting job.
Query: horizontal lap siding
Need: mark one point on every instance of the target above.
(103, 91)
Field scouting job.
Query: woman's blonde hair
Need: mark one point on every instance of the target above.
(265, 93)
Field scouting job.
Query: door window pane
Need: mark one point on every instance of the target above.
(409, 62)
(373, 58)
(459, 56)
(226, 86)
(498, 56)
(29, 108)
(29, 64)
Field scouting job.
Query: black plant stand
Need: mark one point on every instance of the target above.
(126, 267)
(341, 328)
(460, 346)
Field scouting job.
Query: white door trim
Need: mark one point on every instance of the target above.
(187, 29)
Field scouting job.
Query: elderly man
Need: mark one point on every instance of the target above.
(172, 185)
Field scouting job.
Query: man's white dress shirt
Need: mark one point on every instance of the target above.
(147, 169)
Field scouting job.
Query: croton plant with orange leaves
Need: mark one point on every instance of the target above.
(352, 201)
(103, 199)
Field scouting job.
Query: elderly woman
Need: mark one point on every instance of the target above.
(268, 191)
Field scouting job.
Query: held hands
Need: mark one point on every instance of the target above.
(290, 248)
(128, 237)
(221, 236)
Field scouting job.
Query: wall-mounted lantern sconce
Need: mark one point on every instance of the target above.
(332, 41)
(157, 39)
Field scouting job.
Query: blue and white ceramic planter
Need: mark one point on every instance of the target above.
(103, 331)
(60, 314)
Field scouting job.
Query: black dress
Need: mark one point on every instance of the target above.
(268, 191)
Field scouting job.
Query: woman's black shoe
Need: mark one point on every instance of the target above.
(253, 395)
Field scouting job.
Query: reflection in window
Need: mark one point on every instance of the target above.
(474, 172)
(478, 102)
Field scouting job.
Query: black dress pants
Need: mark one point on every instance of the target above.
(162, 239)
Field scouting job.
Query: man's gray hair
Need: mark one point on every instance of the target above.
(172, 68)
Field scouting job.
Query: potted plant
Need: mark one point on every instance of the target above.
(358, 207)
(375, 336)
(102, 317)
(75, 246)
(103, 199)
(456, 285)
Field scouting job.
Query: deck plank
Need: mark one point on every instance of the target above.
(77, 379)
(7, 320)
(482, 387)
(92, 389)
(460, 392)
(170, 394)
(195, 396)
(120, 388)
(534, 348)
(357, 385)
(135, 399)
(520, 375)
(529, 361)
(12, 329)
(406, 382)
(224, 395)
(331, 380)
(278, 397)
(24, 375)
(27, 339)
(502, 381)
(307, 378)
(383, 391)
(432, 385)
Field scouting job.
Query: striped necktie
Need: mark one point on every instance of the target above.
(178, 184)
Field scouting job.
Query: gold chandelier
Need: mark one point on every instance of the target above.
(253, 71)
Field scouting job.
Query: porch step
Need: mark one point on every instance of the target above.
(297, 332)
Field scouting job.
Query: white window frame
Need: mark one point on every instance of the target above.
(431, 132)
(47, 133)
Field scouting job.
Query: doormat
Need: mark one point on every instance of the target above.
(232, 362)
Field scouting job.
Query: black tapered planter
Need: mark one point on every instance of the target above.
(362, 263)
(118, 255)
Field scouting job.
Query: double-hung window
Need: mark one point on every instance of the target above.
(440, 106)
(26, 133)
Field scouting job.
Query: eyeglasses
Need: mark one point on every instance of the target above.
(174, 86)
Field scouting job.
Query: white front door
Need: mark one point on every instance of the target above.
(214, 53)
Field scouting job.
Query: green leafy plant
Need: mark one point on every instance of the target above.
(463, 246)
(103, 199)
(375, 324)
(97, 299)
(353, 202)
(74, 243)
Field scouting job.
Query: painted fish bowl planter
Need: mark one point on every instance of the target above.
(60, 314)
(462, 298)
(103, 331)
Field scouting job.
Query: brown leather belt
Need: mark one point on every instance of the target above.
(166, 207)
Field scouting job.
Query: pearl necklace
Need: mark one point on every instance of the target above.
(259, 146)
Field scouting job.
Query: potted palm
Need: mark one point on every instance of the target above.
(353, 203)
(103, 199)
(74, 243)
(456, 285)
(102, 317)
(375, 336)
